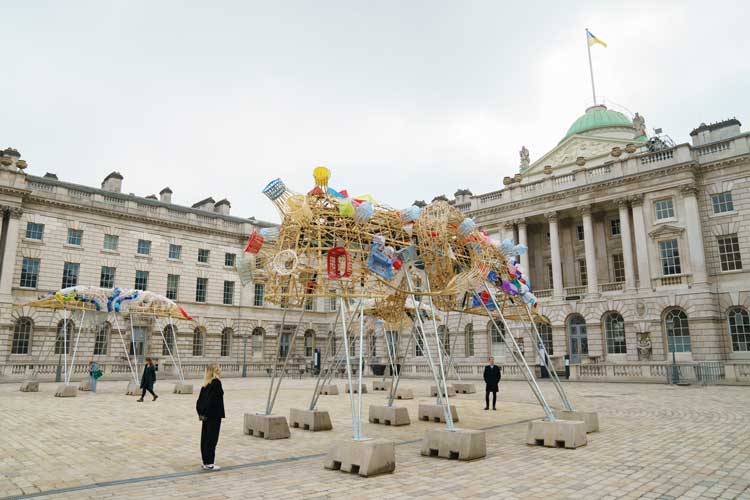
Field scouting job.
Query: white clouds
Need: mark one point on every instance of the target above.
(400, 100)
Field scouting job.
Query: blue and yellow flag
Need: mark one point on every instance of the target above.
(593, 40)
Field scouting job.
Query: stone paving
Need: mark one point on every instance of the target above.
(656, 441)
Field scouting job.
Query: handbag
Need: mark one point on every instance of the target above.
(97, 374)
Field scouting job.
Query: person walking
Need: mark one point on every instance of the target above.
(147, 379)
(543, 358)
(492, 378)
(210, 409)
(94, 374)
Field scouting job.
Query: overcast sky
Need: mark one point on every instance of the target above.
(403, 100)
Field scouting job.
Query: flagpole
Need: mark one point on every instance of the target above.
(591, 67)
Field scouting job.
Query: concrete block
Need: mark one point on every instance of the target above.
(85, 385)
(590, 418)
(183, 388)
(266, 426)
(66, 391)
(434, 392)
(355, 388)
(389, 415)
(557, 434)
(381, 386)
(133, 389)
(459, 444)
(462, 388)
(310, 420)
(330, 390)
(404, 394)
(30, 386)
(434, 413)
(368, 457)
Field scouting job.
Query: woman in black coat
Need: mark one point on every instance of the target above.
(147, 379)
(210, 408)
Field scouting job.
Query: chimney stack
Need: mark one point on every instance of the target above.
(207, 204)
(222, 207)
(165, 195)
(113, 182)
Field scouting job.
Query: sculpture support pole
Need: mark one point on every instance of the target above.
(360, 369)
(176, 349)
(397, 379)
(269, 409)
(331, 336)
(65, 343)
(355, 426)
(169, 351)
(449, 419)
(124, 347)
(75, 348)
(132, 339)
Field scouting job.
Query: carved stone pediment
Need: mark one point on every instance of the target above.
(573, 147)
(666, 230)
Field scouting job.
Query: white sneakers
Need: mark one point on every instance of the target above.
(210, 467)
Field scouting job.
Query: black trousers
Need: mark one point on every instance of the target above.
(487, 398)
(209, 439)
(143, 392)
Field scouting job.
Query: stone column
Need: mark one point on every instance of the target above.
(9, 256)
(554, 243)
(509, 231)
(641, 242)
(694, 234)
(588, 244)
(523, 259)
(627, 244)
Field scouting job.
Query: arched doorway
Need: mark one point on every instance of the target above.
(579, 341)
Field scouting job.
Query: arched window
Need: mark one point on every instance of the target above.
(614, 333)
(469, 340)
(496, 339)
(578, 336)
(62, 344)
(226, 341)
(545, 331)
(309, 343)
(257, 342)
(392, 339)
(284, 345)
(101, 342)
(373, 344)
(169, 341)
(198, 342)
(334, 339)
(678, 333)
(22, 336)
(739, 329)
(419, 346)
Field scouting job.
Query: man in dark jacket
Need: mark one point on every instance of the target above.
(491, 379)
(147, 379)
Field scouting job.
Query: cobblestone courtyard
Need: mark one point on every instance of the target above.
(656, 441)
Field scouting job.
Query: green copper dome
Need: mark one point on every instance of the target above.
(598, 117)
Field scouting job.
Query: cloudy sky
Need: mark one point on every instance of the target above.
(401, 99)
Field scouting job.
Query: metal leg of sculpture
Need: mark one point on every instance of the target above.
(178, 369)
(269, 409)
(355, 417)
(124, 348)
(75, 348)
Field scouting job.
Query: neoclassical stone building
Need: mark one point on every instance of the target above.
(638, 248)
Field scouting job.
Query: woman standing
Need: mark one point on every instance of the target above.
(94, 375)
(210, 408)
(147, 379)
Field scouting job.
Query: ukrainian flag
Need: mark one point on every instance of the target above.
(593, 40)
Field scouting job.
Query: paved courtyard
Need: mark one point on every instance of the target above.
(656, 441)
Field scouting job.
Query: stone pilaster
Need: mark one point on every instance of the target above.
(627, 244)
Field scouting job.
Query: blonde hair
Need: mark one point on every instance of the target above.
(212, 371)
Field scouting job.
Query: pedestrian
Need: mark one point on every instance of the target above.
(147, 379)
(210, 409)
(543, 358)
(492, 378)
(94, 374)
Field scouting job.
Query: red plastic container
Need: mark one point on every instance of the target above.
(336, 268)
(254, 242)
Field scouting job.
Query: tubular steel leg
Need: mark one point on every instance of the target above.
(440, 399)
(124, 347)
(335, 362)
(355, 417)
(176, 348)
(132, 339)
(517, 356)
(169, 351)
(397, 373)
(449, 416)
(316, 390)
(276, 362)
(361, 369)
(65, 344)
(286, 361)
(452, 356)
(75, 348)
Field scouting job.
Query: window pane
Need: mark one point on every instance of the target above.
(230, 259)
(579, 232)
(678, 334)
(469, 339)
(670, 257)
(70, 274)
(258, 297)
(722, 202)
(75, 237)
(107, 277)
(582, 274)
(201, 285)
(144, 247)
(111, 241)
(101, 343)
(173, 284)
(614, 328)
(29, 272)
(34, 231)
(228, 292)
(141, 280)
(167, 347)
(739, 329)
(197, 342)
(614, 227)
(21, 336)
(226, 341)
(618, 266)
(545, 331)
(729, 253)
(203, 255)
(664, 209)
(175, 252)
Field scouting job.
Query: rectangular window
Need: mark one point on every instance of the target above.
(614, 227)
(101, 341)
(550, 281)
(258, 297)
(258, 263)
(75, 237)
(669, 255)
(34, 231)
(175, 252)
(582, 274)
(141, 280)
(107, 277)
(618, 267)
(111, 241)
(203, 255)
(664, 209)
(228, 293)
(333, 302)
(201, 286)
(309, 304)
(729, 253)
(144, 247)
(230, 259)
(722, 202)
(71, 270)
(173, 284)
(580, 234)
(29, 272)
